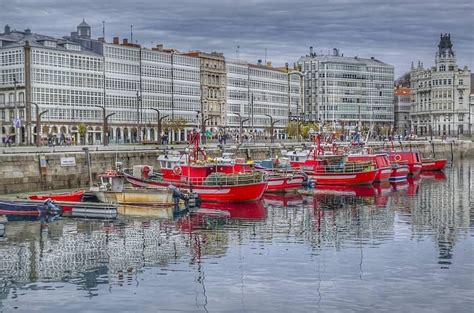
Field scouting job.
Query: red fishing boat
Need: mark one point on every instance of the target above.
(399, 172)
(433, 164)
(336, 169)
(280, 176)
(381, 161)
(410, 158)
(213, 181)
(213, 193)
(75, 196)
(284, 183)
(284, 180)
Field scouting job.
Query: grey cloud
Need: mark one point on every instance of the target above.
(396, 32)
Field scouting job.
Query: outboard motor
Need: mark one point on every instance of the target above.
(51, 207)
(190, 199)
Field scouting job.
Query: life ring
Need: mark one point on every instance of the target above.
(146, 171)
(177, 170)
(397, 157)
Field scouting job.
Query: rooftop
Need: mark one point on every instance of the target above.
(15, 38)
(342, 59)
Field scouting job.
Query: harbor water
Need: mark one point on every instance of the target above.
(389, 248)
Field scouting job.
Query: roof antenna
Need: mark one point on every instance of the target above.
(131, 33)
(103, 30)
(237, 52)
(265, 55)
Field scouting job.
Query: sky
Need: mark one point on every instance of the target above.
(396, 32)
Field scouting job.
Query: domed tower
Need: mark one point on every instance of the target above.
(445, 59)
(84, 30)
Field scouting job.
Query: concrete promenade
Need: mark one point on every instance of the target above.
(287, 144)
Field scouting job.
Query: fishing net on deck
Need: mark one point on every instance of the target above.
(233, 179)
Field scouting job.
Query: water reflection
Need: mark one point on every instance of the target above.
(338, 243)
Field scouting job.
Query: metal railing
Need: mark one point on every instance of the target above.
(225, 179)
(347, 167)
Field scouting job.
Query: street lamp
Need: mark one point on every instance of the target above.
(469, 119)
(299, 119)
(159, 119)
(139, 98)
(104, 124)
(241, 123)
(272, 124)
(38, 123)
(17, 132)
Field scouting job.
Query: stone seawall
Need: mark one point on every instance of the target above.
(28, 172)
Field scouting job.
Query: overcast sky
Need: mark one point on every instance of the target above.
(397, 32)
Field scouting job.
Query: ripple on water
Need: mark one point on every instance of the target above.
(404, 250)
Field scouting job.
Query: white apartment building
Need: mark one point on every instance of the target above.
(73, 77)
(140, 81)
(440, 95)
(257, 91)
(347, 90)
(51, 74)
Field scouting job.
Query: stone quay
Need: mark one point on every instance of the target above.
(28, 169)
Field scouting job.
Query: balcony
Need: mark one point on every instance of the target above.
(12, 105)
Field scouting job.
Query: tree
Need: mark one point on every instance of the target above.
(175, 125)
(292, 128)
(82, 129)
(307, 128)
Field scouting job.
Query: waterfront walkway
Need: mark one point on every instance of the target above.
(229, 146)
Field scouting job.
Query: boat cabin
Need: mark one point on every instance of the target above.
(111, 181)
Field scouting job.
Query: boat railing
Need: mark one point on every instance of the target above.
(347, 167)
(281, 171)
(226, 179)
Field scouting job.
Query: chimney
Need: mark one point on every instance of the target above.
(125, 42)
(7, 29)
(310, 51)
(372, 58)
(335, 52)
(259, 62)
(27, 31)
(269, 64)
(116, 40)
(159, 47)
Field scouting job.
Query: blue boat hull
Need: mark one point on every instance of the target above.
(27, 208)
